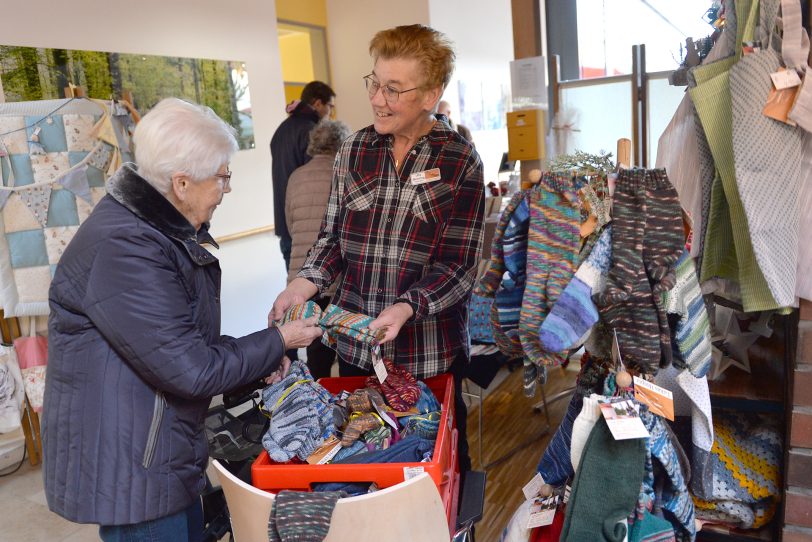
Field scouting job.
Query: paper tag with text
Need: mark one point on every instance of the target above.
(532, 488)
(542, 512)
(785, 79)
(567, 491)
(325, 452)
(427, 176)
(412, 472)
(381, 410)
(616, 357)
(623, 419)
(660, 401)
(377, 364)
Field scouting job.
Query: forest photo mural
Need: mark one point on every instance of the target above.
(30, 74)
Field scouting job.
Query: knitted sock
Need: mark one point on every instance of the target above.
(530, 376)
(651, 528)
(342, 322)
(509, 230)
(301, 516)
(300, 312)
(555, 466)
(692, 336)
(663, 242)
(400, 388)
(553, 241)
(364, 400)
(605, 489)
(582, 427)
(574, 314)
(301, 414)
(358, 425)
(628, 224)
(505, 313)
(378, 438)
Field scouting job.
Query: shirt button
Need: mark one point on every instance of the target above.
(380, 290)
(389, 220)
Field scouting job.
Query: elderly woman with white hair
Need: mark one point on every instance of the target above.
(135, 350)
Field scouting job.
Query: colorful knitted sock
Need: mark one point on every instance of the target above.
(552, 250)
(364, 400)
(692, 335)
(378, 438)
(628, 224)
(301, 516)
(356, 326)
(505, 313)
(574, 314)
(606, 487)
(582, 427)
(301, 412)
(300, 312)
(664, 238)
(358, 425)
(400, 388)
(555, 466)
(530, 376)
(509, 230)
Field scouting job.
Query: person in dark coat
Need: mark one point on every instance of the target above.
(135, 350)
(289, 151)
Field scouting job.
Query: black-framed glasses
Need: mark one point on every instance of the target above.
(226, 178)
(390, 93)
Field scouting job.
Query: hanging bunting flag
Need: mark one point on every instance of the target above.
(37, 199)
(76, 181)
(104, 130)
(100, 157)
(115, 162)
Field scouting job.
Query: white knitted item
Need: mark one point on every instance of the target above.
(582, 427)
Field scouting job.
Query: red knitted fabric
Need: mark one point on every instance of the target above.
(400, 388)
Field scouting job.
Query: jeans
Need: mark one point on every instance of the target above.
(183, 526)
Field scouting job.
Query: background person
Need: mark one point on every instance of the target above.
(403, 227)
(135, 351)
(444, 108)
(305, 204)
(289, 150)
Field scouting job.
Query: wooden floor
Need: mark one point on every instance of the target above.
(509, 421)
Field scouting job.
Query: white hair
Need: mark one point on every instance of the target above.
(177, 136)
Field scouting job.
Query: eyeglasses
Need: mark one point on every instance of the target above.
(390, 93)
(226, 179)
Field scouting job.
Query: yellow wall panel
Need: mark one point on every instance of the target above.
(303, 11)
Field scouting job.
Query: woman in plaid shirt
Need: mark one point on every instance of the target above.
(403, 226)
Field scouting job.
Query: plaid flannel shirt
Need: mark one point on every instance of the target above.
(396, 241)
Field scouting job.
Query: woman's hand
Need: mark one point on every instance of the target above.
(297, 292)
(392, 319)
(300, 333)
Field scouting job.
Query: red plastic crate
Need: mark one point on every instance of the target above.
(271, 476)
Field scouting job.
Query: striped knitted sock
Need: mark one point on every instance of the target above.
(400, 388)
(574, 314)
(555, 465)
(300, 312)
(301, 516)
(635, 323)
(692, 330)
(514, 235)
(628, 224)
(552, 250)
(505, 313)
(664, 237)
(342, 322)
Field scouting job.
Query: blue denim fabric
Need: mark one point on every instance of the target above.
(411, 449)
(183, 526)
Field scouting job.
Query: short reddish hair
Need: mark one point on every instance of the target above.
(432, 50)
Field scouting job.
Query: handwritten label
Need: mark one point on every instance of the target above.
(785, 79)
(412, 472)
(532, 488)
(542, 512)
(660, 401)
(427, 176)
(378, 365)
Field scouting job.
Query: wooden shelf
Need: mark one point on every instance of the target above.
(761, 389)
(714, 533)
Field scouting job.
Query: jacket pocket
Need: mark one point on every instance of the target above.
(361, 190)
(154, 428)
(432, 202)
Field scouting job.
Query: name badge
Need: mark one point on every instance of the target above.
(427, 176)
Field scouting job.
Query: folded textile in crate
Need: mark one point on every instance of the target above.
(301, 516)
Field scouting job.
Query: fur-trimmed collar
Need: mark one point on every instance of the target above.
(132, 191)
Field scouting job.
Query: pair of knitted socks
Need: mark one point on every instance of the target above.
(647, 240)
(302, 515)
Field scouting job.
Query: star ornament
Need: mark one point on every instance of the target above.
(730, 345)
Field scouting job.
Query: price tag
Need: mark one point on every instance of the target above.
(532, 488)
(785, 79)
(660, 401)
(412, 472)
(567, 491)
(325, 452)
(378, 365)
(542, 512)
(623, 419)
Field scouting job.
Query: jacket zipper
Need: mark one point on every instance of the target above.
(155, 426)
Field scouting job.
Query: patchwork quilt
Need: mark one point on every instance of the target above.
(56, 156)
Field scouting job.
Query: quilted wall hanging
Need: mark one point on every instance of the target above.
(56, 156)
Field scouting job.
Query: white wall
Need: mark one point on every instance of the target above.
(482, 32)
(350, 27)
(235, 30)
